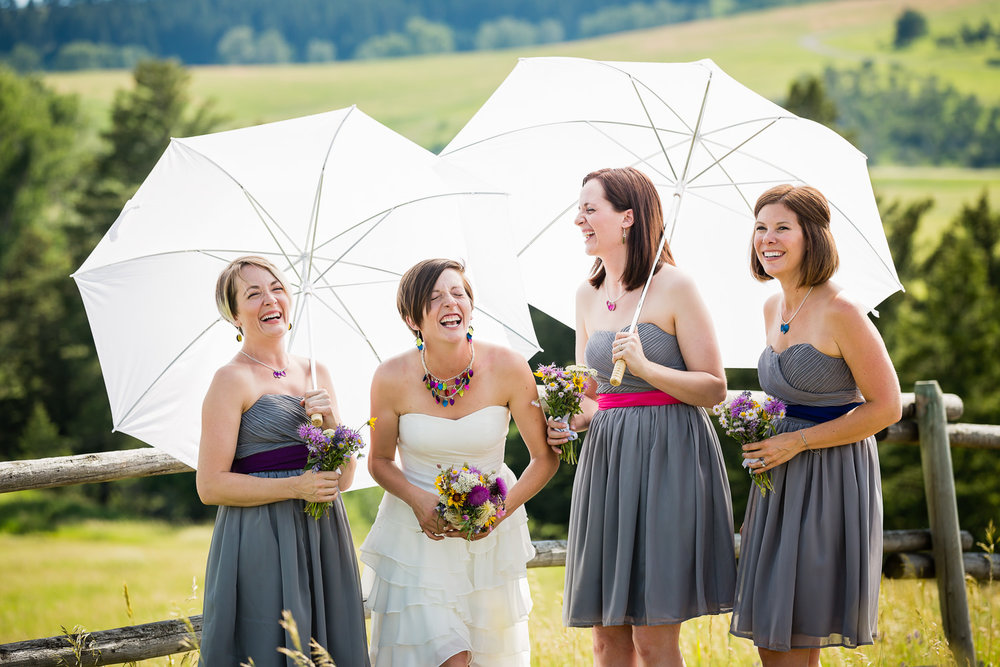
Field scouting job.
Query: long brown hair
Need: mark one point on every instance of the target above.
(628, 188)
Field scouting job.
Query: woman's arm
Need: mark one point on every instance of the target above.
(220, 425)
(520, 385)
(324, 402)
(555, 435)
(704, 381)
(864, 351)
(382, 459)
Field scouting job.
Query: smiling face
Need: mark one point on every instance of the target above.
(448, 310)
(598, 220)
(263, 304)
(778, 240)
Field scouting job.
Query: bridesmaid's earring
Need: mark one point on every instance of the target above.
(624, 236)
(239, 335)
(289, 326)
(468, 334)
(418, 341)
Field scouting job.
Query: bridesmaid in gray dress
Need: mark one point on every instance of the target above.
(811, 554)
(267, 554)
(651, 521)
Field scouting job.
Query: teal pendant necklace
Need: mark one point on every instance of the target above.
(785, 323)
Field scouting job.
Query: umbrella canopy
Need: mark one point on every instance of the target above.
(710, 145)
(341, 204)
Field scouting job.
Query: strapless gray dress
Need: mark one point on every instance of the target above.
(811, 550)
(272, 557)
(651, 518)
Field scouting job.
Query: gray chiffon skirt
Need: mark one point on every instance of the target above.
(651, 521)
(811, 551)
(272, 557)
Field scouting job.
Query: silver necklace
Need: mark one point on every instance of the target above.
(612, 303)
(784, 323)
(274, 371)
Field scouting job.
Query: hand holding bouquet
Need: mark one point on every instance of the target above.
(328, 450)
(745, 420)
(560, 395)
(471, 501)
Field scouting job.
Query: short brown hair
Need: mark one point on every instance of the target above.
(820, 259)
(225, 286)
(628, 188)
(417, 284)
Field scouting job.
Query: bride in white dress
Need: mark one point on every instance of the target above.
(435, 597)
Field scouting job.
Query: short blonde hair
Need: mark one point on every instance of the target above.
(225, 286)
(820, 259)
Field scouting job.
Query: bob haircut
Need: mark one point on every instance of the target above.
(225, 286)
(415, 287)
(819, 259)
(628, 188)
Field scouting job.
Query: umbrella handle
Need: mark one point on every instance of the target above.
(618, 373)
(316, 419)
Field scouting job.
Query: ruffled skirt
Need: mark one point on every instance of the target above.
(432, 599)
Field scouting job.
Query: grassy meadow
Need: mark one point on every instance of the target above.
(76, 576)
(428, 99)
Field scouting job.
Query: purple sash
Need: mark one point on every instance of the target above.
(817, 414)
(283, 458)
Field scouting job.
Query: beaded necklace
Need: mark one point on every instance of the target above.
(447, 391)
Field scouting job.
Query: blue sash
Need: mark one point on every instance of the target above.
(818, 414)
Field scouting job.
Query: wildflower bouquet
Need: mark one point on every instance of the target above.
(745, 420)
(328, 450)
(471, 500)
(560, 395)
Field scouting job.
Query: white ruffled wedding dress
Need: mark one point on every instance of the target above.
(432, 599)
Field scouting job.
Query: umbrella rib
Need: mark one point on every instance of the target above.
(314, 216)
(735, 148)
(539, 126)
(163, 372)
(263, 215)
(888, 269)
(353, 321)
(507, 327)
(652, 126)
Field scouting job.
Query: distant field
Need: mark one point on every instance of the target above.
(429, 98)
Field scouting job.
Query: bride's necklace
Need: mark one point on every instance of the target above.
(447, 391)
(609, 301)
(784, 323)
(276, 372)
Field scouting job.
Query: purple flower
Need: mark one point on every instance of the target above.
(500, 488)
(773, 406)
(478, 495)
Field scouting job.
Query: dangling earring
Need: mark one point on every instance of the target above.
(419, 342)
(468, 334)
(624, 235)
(239, 335)
(289, 326)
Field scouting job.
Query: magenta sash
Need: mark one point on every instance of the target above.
(635, 399)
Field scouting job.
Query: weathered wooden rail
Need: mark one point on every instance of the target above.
(926, 413)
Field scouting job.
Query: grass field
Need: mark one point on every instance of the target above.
(76, 577)
(429, 98)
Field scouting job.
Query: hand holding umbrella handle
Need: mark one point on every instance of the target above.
(316, 419)
(618, 373)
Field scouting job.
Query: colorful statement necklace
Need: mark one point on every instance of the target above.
(784, 323)
(274, 371)
(447, 391)
(609, 301)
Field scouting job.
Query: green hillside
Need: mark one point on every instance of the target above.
(429, 98)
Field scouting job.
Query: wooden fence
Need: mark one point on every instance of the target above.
(925, 421)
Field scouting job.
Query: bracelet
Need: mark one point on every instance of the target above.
(803, 436)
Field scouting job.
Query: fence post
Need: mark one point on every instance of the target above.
(942, 509)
